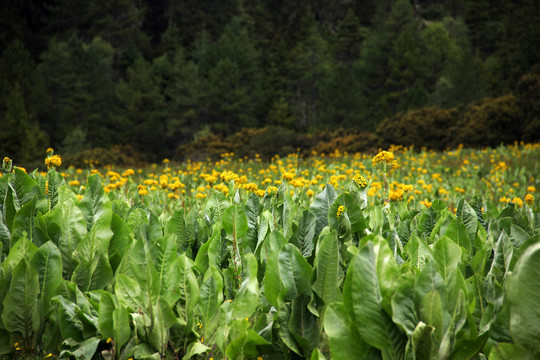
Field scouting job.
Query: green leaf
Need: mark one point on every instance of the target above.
(505, 351)
(107, 304)
(305, 233)
(345, 342)
(358, 223)
(20, 314)
(457, 232)
(431, 313)
(80, 351)
(294, 272)
(523, 291)
(321, 205)
(120, 241)
(94, 271)
(363, 294)
(68, 232)
(403, 307)
(47, 261)
(122, 330)
(253, 209)
(235, 221)
(55, 181)
(24, 222)
(247, 299)
(326, 284)
(468, 216)
(422, 343)
(129, 293)
(163, 252)
(177, 226)
(303, 325)
(95, 203)
(25, 189)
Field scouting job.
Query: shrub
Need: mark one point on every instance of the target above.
(425, 127)
(120, 155)
(528, 95)
(492, 122)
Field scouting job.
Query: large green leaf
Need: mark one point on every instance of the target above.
(321, 205)
(326, 283)
(294, 272)
(177, 226)
(304, 235)
(93, 270)
(55, 180)
(235, 222)
(20, 314)
(25, 189)
(68, 232)
(345, 342)
(163, 252)
(253, 209)
(47, 261)
(95, 203)
(364, 293)
(24, 222)
(468, 216)
(247, 299)
(358, 223)
(524, 296)
(120, 241)
(303, 325)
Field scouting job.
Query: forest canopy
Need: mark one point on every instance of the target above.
(165, 76)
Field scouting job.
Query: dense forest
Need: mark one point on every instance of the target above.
(162, 75)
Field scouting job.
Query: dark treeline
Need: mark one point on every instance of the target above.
(157, 74)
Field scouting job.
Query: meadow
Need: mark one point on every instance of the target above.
(402, 254)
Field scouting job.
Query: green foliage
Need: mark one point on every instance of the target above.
(426, 127)
(490, 123)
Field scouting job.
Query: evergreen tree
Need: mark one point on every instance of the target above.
(20, 138)
(142, 110)
(78, 78)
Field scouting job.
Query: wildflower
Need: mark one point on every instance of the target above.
(142, 190)
(79, 197)
(395, 165)
(504, 200)
(360, 181)
(200, 195)
(259, 193)
(166, 161)
(531, 189)
(426, 203)
(74, 183)
(21, 168)
(128, 172)
(109, 340)
(341, 209)
(383, 156)
(48, 355)
(288, 176)
(53, 161)
(47, 187)
(309, 193)
(529, 199)
(271, 190)
(518, 202)
(396, 195)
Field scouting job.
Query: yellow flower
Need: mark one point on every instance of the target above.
(259, 193)
(47, 187)
(271, 190)
(200, 196)
(54, 160)
(109, 340)
(48, 355)
(128, 172)
(309, 193)
(142, 190)
(49, 150)
(396, 195)
(426, 203)
(79, 197)
(74, 183)
(531, 189)
(518, 202)
(166, 161)
(360, 181)
(341, 209)
(383, 156)
(529, 199)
